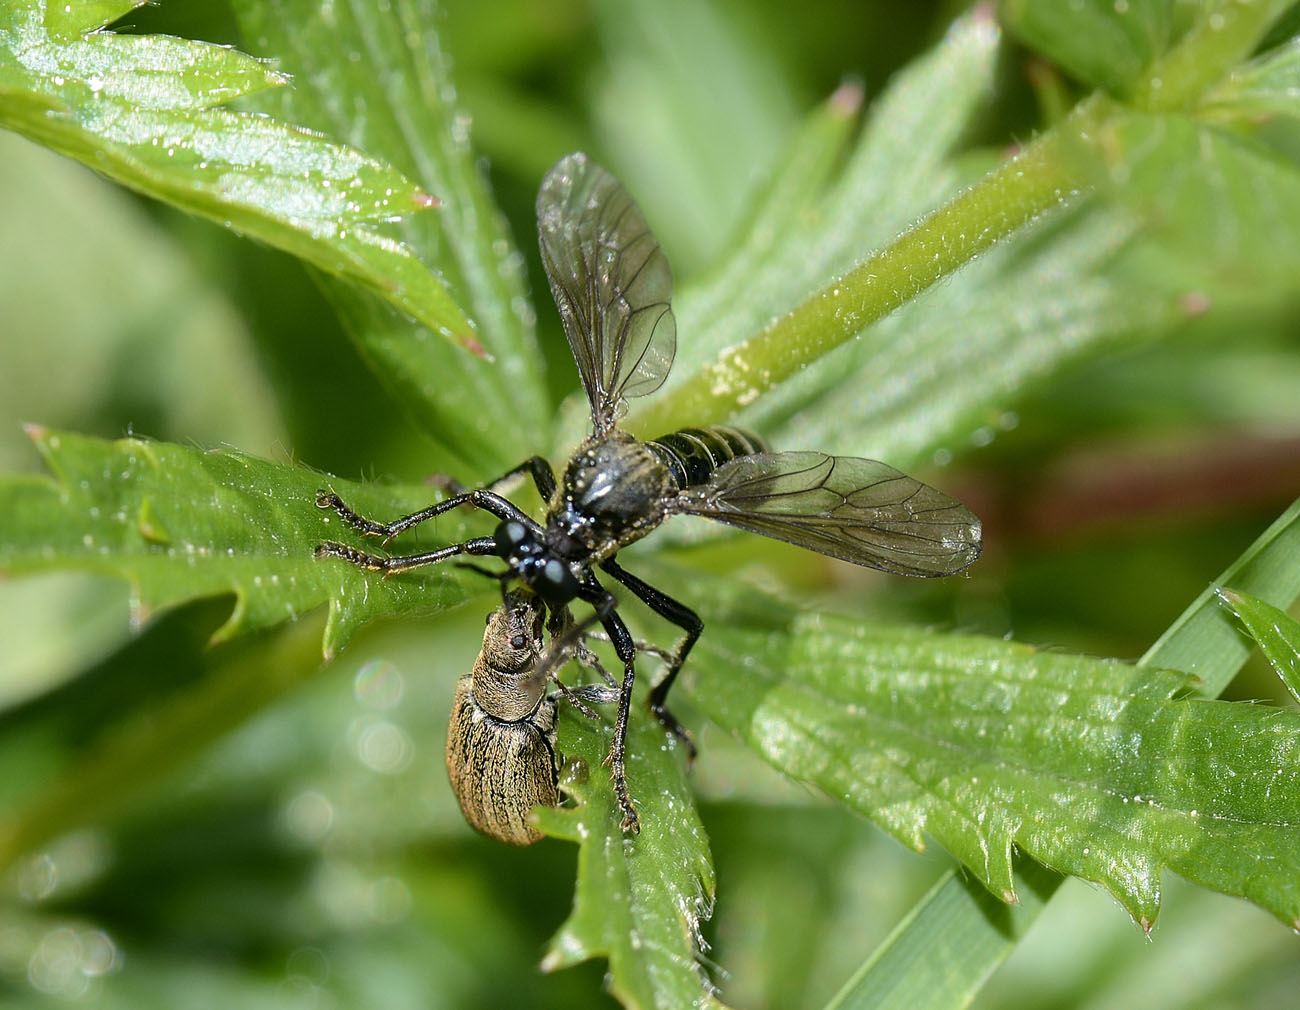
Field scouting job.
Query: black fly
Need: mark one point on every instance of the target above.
(613, 287)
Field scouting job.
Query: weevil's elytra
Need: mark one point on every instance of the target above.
(613, 287)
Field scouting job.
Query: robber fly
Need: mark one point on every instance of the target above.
(501, 756)
(613, 287)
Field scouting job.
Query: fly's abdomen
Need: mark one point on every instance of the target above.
(692, 454)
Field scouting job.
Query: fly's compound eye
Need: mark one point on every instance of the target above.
(510, 537)
(555, 583)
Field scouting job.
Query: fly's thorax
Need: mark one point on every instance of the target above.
(613, 492)
(499, 770)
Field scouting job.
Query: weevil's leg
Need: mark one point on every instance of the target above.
(378, 563)
(592, 662)
(597, 694)
(649, 648)
(686, 619)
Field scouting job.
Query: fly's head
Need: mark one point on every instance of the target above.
(535, 564)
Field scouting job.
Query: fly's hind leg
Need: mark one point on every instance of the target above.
(686, 619)
(604, 603)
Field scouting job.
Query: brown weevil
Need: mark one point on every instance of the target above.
(501, 755)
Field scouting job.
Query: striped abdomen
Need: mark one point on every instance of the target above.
(693, 454)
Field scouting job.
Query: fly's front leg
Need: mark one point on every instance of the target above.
(482, 498)
(686, 619)
(480, 546)
(387, 565)
(330, 501)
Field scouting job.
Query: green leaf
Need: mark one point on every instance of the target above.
(1092, 767)
(401, 105)
(1275, 631)
(1103, 43)
(1221, 37)
(140, 109)
(180, 524)
(1267, 86)
(639, 899)
(71, 20)
(1203, 188)
(955, 915)
(146, 326)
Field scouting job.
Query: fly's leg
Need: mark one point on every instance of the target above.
(483, 498)
(604, 603)
(686, 619)
(387, 565)
(538, 468)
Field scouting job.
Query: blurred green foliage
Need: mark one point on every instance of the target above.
(1111, 388)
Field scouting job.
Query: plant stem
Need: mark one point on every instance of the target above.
(1046, 174)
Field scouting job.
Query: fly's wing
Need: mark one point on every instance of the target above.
(858, 510)
(611, 282)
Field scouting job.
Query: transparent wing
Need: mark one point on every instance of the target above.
(858, 510)
(611, 282)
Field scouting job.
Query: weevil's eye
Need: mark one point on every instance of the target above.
(518, 641)
(556, 584)
(510, 536)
